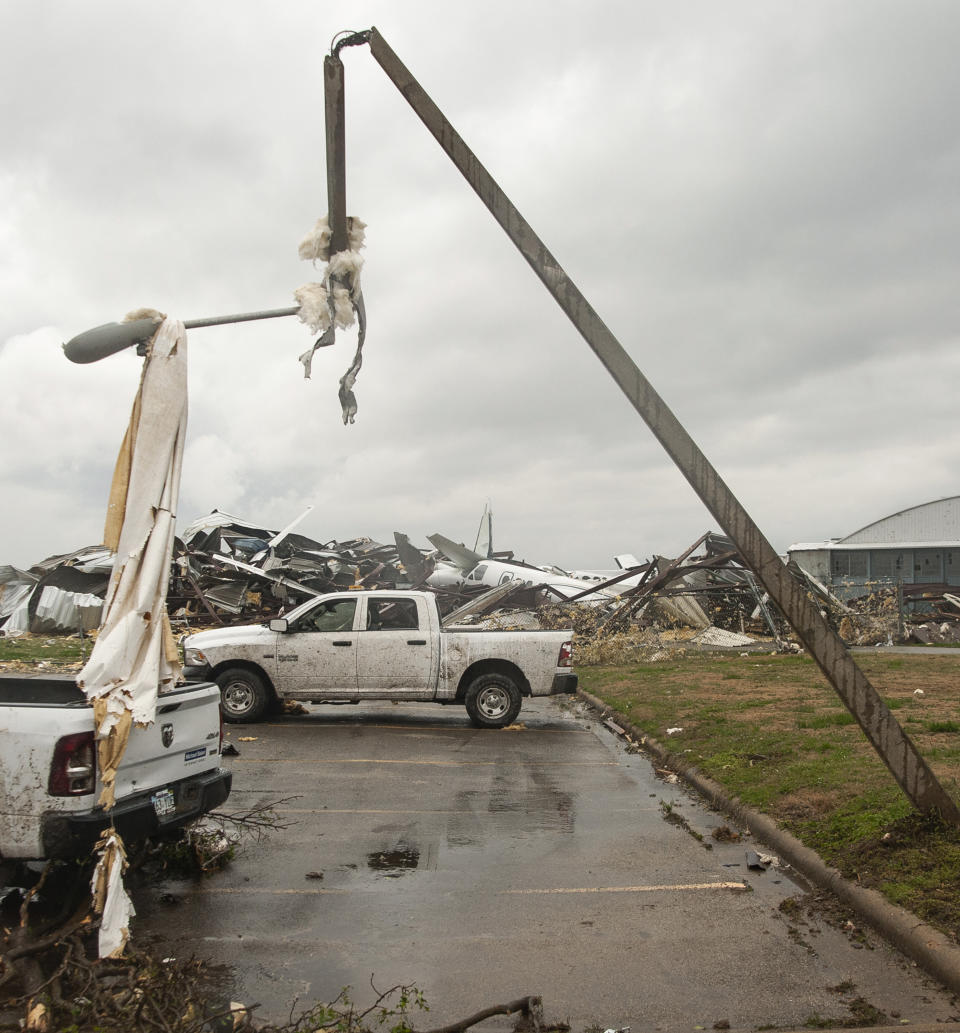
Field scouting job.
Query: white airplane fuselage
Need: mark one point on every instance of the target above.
(496, 572)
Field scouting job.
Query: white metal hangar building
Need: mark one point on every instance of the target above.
(917, 546)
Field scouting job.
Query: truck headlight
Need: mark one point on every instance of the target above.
(193, 657)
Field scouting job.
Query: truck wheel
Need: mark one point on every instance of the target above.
(243, 695)
(493, 701)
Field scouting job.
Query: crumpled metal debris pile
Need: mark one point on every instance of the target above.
(702, 600)
(872, 622)
(57, 596)
(709, 588)
(705, 598)
(884, 615)
(918, 613)
(226, 570)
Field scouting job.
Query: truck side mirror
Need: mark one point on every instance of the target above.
(279, 624)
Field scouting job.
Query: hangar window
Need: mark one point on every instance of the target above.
(849, 564)
(927, 565)
(886, 563)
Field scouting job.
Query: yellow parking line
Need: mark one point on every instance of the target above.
(316, 892)
(331, 810)
(636, 889)
(434, 763)
(270, 892)
(402, 810)
(418, 728)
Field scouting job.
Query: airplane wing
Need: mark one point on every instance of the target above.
(466, 559)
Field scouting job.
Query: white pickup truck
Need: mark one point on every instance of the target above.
(49, 786)
(354, 646)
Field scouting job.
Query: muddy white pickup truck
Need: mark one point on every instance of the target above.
(49, 784)
(352, 646)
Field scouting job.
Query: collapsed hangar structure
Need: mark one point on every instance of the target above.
(917, 548)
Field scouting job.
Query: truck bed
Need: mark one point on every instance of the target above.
(20, 690)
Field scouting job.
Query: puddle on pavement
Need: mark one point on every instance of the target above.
(394, 863)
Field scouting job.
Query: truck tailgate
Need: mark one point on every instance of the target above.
(27, 739)
(182, 742)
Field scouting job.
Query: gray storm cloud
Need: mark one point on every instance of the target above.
(760, 201)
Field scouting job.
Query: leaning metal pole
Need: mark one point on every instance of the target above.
(335, 123)
(851, 684)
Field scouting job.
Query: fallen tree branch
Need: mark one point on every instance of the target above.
(530, 1006)
(31, 893)
(257, 819)
(37, 946)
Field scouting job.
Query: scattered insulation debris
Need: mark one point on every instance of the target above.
(719, 637)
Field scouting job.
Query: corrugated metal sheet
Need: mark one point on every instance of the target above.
(15, 588)
(18, 623)
(60, 611)
(937, 521)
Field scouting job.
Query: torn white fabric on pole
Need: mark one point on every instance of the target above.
(135, 653)
(131, 657)
(110, 898)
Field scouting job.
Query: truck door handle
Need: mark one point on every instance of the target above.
(416, 641)
(343, 643)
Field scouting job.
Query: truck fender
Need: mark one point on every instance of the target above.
(250, 666)
(482, 667)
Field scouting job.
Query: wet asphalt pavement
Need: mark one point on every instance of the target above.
(483, 866)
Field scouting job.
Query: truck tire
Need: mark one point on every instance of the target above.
(243, 695)
(493, 701)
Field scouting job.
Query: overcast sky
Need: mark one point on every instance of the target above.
(762, 201)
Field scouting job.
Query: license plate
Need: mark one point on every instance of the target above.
(164, 802)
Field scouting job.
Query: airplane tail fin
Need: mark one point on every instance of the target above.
(483, 546)
(417, 566)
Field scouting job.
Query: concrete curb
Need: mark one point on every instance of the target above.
(930, 949)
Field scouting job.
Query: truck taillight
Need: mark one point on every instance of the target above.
(220, 712)
(74, 768)
(566, 655)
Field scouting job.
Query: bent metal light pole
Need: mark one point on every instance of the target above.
(826, 647)
(101, 341)
(881, 728)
